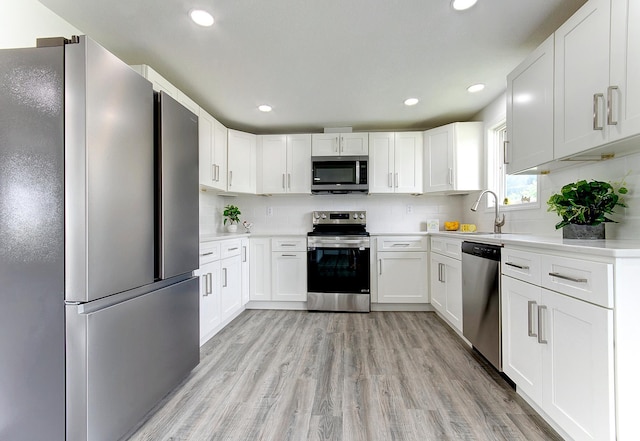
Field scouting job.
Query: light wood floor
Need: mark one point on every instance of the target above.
(295, 375)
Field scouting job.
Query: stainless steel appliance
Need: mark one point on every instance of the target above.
(98, 306)
(339, 174)
(481, 299)
(338, 262)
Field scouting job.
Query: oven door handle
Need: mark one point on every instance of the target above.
(319, 243)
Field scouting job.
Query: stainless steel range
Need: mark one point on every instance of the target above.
(338, 262)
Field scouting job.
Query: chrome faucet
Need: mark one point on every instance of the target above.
(499, 221)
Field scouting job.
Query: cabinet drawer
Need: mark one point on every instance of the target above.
(582, 279)
(402, 243)
(209, 252)
(229, 248)
(291, 243)
(447, 247)
(521, 265)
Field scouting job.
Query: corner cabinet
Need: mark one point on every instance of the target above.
(340, 144)
(402, 269)
(453, 158)
(241, 162)
(213, 152)
(530, 111)
(283, 164)
(446, 279)
(396, 162)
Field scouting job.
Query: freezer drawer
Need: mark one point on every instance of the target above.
(122, 359)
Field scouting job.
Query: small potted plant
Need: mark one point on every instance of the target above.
(231, 215)
(584, 207)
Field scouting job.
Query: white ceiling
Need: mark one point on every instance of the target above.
(325, 63)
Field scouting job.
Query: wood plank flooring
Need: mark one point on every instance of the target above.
(295, 375)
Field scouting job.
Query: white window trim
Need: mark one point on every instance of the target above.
(492, 174)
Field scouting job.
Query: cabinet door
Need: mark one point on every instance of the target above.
(354, 144)
(439, 159)
(624, 93)
(437, 283)
(207, 168)
(581, 79)
(219, 155)
(241, 162)
(325, 144)
(408, 162)
(289, 276)
(244, 256)
(210, 318)
(260, 269)
(272, 164)
(231, 286)
(299, 164)
(521, 352)
(381, 166)
(402, 277)
(578, 374)
(453, 281)
(530, 111)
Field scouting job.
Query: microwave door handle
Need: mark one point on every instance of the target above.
(357, 172)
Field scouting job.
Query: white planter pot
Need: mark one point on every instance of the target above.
(232, 228)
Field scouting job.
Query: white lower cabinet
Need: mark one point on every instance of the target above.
(559, 351)
(446, 288)
(278, 269)
(245, 269)
(289, 276)
(402, 275)
(220, 285)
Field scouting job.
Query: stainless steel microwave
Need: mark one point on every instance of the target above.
(339, 174)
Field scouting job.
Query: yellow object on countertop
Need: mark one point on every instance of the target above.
(451, 225)
(468, 228)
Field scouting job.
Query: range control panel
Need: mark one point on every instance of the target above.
(339, 217)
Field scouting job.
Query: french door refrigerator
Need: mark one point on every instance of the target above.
(98, 241)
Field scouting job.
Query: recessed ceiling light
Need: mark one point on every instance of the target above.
(200, 17)
(461, 5)
(475, 88)
(411, 101)
(265, 108)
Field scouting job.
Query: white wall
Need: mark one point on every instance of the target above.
(292, 214)
(538, 220)
(23, 21)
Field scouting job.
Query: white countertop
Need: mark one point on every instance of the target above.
(608, 248)
(222, 236)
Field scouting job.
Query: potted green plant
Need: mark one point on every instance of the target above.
(584, 207)
(231, 215)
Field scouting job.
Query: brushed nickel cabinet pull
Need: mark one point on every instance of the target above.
(572, 279)
(530, 332)
(207, 254)
(505, 152)
(596, 112)
(522, 267)
(541, 339)
(610, 119)
(224, 285)
(380, 262)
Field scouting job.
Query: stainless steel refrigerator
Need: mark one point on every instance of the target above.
(98, 241)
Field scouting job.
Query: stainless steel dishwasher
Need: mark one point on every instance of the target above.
(481, 299)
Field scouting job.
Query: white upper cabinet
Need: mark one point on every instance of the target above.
(213, 152)
(530, 111)
(241, 161)
(453, 158)
(395, 162)
(582, 79)
(340, 144)
(624, 88)
(284, 164)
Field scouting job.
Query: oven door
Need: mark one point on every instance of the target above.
(338, 270)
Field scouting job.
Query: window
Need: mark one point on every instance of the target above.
(514, 191)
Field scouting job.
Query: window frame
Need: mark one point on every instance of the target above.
(496, 169)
